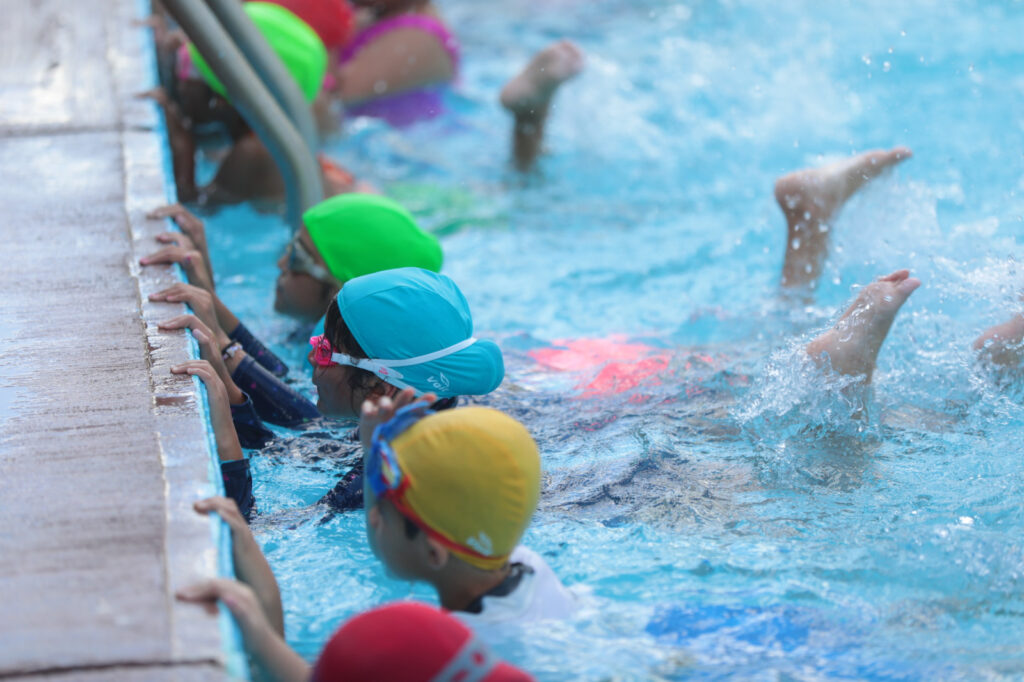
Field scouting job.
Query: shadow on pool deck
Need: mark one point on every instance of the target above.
(101, 450)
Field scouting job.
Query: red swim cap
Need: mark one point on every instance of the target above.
(333, 20)
(409, 642)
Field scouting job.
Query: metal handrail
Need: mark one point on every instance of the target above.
(268, 65)
(259, 108)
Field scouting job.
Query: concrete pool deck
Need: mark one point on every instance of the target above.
(102, 451)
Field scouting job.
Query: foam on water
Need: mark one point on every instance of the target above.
(724, 516)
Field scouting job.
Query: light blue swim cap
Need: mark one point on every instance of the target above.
(417, 326)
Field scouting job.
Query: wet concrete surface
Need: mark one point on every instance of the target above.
(98, 469)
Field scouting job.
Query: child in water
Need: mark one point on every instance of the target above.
(357, 235)
(247, 171)
(448, 498)
(403, 56)
(402, 641)
(397, 64)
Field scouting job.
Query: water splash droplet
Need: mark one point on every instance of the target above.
(866, 59)
(795, 244)
(886, 66)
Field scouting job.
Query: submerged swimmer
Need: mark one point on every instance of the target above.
(810, 200)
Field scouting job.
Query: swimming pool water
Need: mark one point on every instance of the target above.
(724, 517)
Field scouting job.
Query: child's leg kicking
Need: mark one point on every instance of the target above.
(1003, 344)
(852, 345)
(528, 97)
(811, 200)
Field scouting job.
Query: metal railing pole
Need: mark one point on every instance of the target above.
(268, 66)
(301, 172)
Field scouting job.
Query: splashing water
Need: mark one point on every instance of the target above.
(731, 510)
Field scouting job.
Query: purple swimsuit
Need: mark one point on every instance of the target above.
(403, 108)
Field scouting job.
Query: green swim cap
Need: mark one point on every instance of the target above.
(298, 46)
(359, 234)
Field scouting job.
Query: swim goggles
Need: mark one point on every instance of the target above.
(386, 479)
(301, 260)
(383, 472)
(324, 355)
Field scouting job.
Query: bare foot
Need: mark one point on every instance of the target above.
(528, 97)
(531, 90)
(1003, 344)
(811, 199)
(852, 345)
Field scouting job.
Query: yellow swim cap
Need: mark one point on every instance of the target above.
(473, 478)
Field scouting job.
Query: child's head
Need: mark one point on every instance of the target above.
(449, 491)
(345, 237)
(400, 328)
(298, 46)
(410, 642)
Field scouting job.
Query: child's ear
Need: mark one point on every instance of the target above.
(437, 554)
(373, 517)
(381, 389)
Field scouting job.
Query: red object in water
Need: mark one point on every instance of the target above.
(623, 365)
(333, 20)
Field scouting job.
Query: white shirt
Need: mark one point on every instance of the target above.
(539, 595)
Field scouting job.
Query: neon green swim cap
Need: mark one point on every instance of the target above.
(359, 234)
(298, 46)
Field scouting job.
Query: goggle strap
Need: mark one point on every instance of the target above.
(428, 357)
(381, 367)
(396, 499)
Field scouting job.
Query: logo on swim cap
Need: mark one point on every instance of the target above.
(481, 543)
(439, 382)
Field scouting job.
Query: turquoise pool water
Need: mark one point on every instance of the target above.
(724, 517)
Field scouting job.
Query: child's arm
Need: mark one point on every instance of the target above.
(193, 231)
(210, 344)
(269, 649)
(234, 467)
(228, 447)
(251, 567)
(188, 257)
(212, 312)
(183, 145)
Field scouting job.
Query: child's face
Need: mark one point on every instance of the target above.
(335, 397)
(299, 294)
(385, 530)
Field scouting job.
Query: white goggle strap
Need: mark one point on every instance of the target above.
(385, 368)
